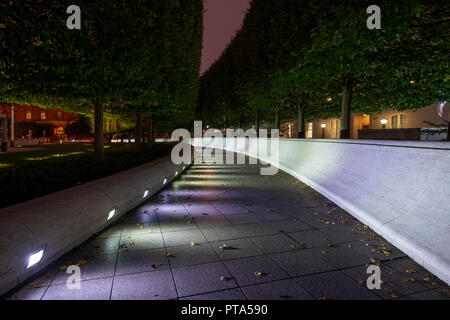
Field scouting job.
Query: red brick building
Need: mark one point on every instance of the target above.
(47, 123)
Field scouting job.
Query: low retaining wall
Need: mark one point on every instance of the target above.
(60, 221)
(400, 189)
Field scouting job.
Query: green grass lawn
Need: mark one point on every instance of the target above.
(34, 173)
(42, 152)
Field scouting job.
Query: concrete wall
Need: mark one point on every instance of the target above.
(400, 189)
(63, 220)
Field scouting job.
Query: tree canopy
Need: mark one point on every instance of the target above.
(130, 56)
(321, 57)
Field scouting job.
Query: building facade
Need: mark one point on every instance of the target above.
(389, 124)
(31, 122)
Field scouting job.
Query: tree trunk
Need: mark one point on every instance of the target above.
(150, 130)
(448, 131)
(346, 110)
(257, 124)
(277, 119)
(301, 122)
(239, 122)
(226, 123)
(99, 151)
(138, 129)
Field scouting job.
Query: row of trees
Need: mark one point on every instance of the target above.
(315, 59)
(135, 59)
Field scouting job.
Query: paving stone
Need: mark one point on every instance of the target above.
(342, 256)
(230, 294)
(287, 289)
(223, 233)
(208, 221)
(237, 248)
(141, 242)
(276, 243)
(379, 250)
(254, 270)
(335, 285)
(27, 293)
(141, 261)
(112, 231)
(202, 278)
(394, 284)
(292, 225)
(97, 246)
(245, 218)
(258, 229)
(90, 268)
(202, 207)
(434, 294)
(190, 255)
(178, 224)
(182, 237)
(310, 238)
(140, 228)
(411, 269)
(302, 262)
(99, 289)
(155, 285)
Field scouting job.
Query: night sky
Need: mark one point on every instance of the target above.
(222, 19)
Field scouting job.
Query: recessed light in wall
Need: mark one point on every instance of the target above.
(35, 257)
(111, 213)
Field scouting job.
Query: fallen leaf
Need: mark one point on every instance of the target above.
(193, 243)
(258, 274)
(394, 295)
(223, 278)
(155, 266)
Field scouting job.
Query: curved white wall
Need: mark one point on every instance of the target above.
(400, 189)
(63, 220)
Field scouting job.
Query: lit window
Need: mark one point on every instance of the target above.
(28, 115)
(398, 121)
(394, 122)
(42, 115)
(59, 115)
(403, 121)
(309, 132)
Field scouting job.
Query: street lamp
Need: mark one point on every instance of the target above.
(383, 123)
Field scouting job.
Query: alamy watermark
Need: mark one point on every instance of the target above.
(74, 281)
(211, 144)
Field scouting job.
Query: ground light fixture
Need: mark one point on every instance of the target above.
(35, 257)
(112, 212)
(176, 172)
(145, 193)
(165, 180)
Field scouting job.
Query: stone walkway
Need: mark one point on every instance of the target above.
(225, 232)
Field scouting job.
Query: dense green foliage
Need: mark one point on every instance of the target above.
(32, 174)
(130, 56)
(309, 54)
